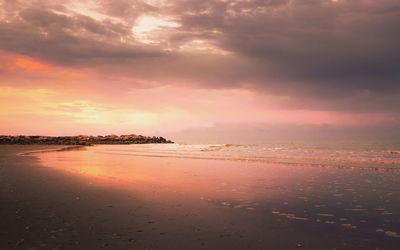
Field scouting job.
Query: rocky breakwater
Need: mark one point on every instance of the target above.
(82, 140)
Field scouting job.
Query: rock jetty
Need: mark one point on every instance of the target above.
(82, 139)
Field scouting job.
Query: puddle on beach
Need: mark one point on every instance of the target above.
(351, 204)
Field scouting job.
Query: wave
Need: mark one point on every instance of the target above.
(261, 153)
(267, 160)
(67, 148)
(290, 154)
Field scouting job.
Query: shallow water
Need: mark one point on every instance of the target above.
(321, 208)
(374, 155)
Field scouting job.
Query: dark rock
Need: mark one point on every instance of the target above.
(82, 140)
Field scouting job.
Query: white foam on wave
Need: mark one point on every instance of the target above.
(291, 154)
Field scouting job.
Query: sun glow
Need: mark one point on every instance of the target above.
(143, 119)
(202, 46)
(150, 29)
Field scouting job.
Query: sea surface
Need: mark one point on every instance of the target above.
(346, 154)
(317, 195)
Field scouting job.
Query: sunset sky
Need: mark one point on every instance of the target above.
(201, 71)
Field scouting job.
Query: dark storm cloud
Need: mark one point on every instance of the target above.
(353, 44)
(326, 55)
(339, 55)
(70, 39)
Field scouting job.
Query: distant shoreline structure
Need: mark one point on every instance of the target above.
(81, 139)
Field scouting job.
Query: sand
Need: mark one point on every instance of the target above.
(54, 208)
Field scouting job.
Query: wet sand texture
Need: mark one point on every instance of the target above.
(74, 200)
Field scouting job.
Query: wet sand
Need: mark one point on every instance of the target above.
(82, 200)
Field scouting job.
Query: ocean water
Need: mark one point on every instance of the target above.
(325, 195)
(344, 154)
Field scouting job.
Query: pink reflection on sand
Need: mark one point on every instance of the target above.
(204, 179)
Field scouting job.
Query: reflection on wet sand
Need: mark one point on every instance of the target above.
(353, 203)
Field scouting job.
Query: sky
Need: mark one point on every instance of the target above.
(201, 71)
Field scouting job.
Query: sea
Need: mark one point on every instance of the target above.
(275, 195)
(370, 155)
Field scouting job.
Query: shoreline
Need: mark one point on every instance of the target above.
(255, 160)
(311, 165)
(46, 207)
(63, 148)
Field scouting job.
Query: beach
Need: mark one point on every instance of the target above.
(200, 125)
(161, 197)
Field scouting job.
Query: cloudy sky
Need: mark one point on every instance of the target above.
(210, 70)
